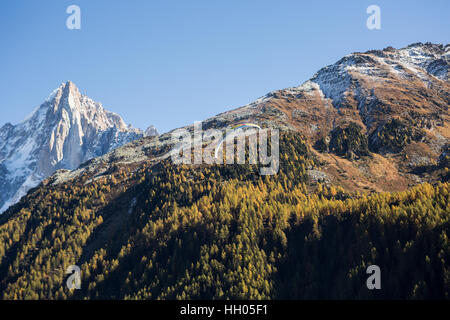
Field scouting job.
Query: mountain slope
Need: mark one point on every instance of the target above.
(395, 102)
(141, 227)
(159, 231)
(66, 130)
(402, 93)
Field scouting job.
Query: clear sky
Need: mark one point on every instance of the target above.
(169, 63)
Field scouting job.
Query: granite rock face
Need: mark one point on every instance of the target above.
(66, 130)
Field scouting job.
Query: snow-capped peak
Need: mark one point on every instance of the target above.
(67, 129)
(419, 60)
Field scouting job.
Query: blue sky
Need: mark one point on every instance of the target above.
(170, 63)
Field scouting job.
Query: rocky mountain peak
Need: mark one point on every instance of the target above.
(151, 131)
(66, 130)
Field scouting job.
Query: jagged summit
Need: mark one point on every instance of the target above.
(151, 131)
(64, 131)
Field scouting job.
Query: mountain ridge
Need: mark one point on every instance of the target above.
(381, 92)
